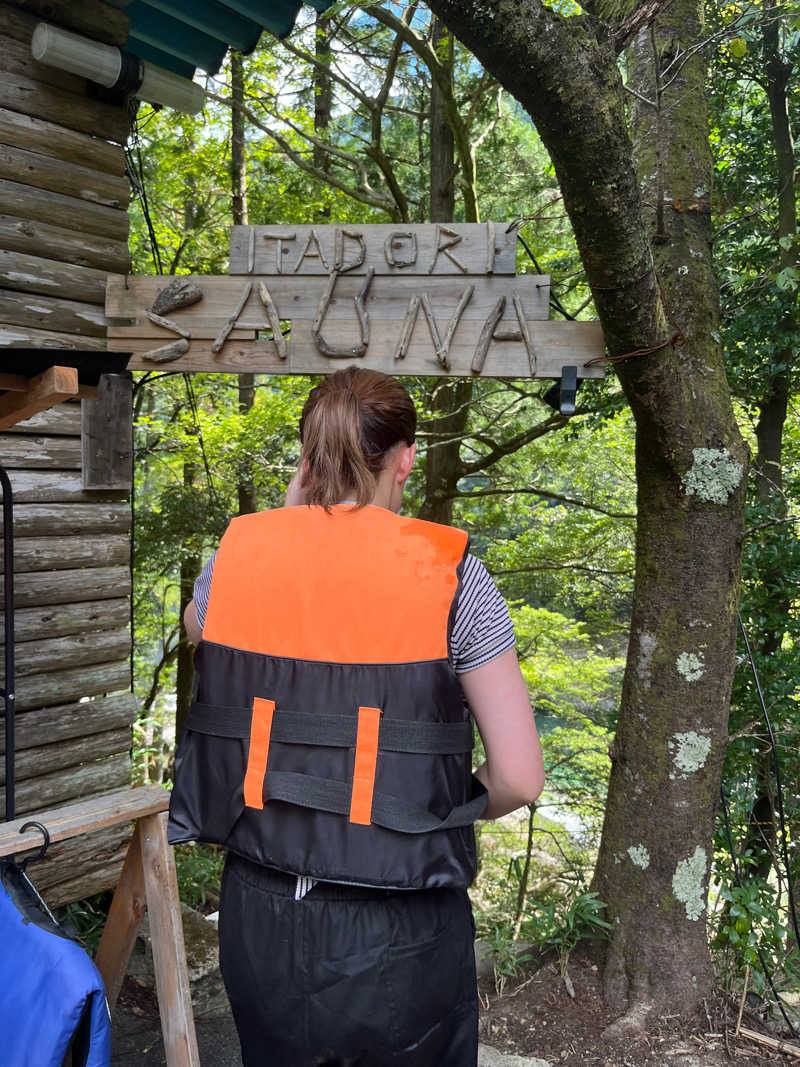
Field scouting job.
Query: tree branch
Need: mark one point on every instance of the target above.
(548, 496)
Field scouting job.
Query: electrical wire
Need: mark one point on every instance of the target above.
(554, 301)
(212, 491)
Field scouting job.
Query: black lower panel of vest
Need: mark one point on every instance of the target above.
(347, 977)
(207, 801)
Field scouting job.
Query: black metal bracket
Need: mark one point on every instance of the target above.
(561, 396)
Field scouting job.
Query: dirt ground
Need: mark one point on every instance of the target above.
(536, 1015)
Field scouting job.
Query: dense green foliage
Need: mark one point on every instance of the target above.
(554, 519)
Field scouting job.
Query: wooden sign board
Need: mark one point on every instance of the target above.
(424, 249)
(425, 299)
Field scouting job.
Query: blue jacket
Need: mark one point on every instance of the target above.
(52, 998)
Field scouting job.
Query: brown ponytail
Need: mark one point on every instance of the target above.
(349, 423)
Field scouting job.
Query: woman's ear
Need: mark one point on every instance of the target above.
(405, 461)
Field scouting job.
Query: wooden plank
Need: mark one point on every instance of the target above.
(32, 763)
(65, 553)
(64, 822)
(70, 587)
(67, 859)
(56, 687)
(37, 520)
(29, 450)
(390, 248)
(12, 336)
(123, 922)
(60, 620)
(34, 658)
(297, 299)
(107, 435)
(37, 312)
(166, 936)
(90, 18)
(51, 387)
(39, 487)
(68, 146)
(57, 242)
(555, 344)
(49, 725)
(16, 383)
(44, 205)
(75, 180)
(34, 274)
(31, 97)
(53, 789)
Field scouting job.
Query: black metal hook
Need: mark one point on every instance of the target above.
(43, 850)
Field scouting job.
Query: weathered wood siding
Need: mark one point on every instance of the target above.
(63, 226)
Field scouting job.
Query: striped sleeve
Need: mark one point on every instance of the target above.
(482, 629)
(202, 590)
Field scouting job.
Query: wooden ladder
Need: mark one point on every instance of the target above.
(148, 881)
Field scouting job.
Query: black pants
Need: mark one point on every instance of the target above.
(347, 975)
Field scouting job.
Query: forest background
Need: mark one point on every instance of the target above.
(374, 113)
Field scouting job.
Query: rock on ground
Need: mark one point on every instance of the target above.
(490, 1057)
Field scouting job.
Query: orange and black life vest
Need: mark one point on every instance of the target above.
(329, 735)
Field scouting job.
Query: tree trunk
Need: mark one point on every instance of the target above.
(323, 96)
(190, 568)
(449, 399)
(667, 756)
(245, 489)
(762, 830)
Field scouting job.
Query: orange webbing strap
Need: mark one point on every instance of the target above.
(369, 721)
(260, 727)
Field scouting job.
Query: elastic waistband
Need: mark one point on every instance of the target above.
(282, 884)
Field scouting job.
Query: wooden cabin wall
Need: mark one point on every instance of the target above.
(63, 227)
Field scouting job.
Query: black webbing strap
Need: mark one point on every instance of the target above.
(390, 812)
(334, 731)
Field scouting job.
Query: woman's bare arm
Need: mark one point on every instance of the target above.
(498, 698)
(194, 631)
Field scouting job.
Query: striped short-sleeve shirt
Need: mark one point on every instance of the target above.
(482, 629)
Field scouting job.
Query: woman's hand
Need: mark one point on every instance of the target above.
(295, 493)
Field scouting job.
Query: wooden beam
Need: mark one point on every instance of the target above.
(123, 922)
(50, 139)
(32, 97)
(44, 205)
(39, 520)
(16, 383)
(71, 587)
(84, 817)
(76, 180)
(50, 277)
(107, 435)
(67, 721)
(166, 937)
(51, 387)
(66, 785)
(59, 242)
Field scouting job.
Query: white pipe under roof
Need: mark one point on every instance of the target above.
(114, 69)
